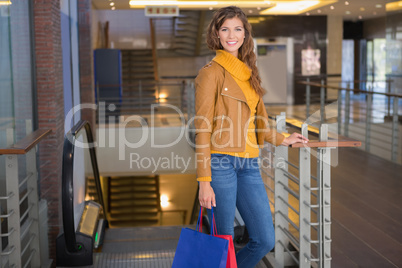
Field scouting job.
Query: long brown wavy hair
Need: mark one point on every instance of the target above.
(246, 51)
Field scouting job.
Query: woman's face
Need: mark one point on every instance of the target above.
(231, 35)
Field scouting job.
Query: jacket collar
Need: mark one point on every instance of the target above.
(231, 88)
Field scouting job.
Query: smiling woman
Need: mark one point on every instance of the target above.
(231, 126)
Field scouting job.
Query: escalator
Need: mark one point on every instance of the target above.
(86, 239)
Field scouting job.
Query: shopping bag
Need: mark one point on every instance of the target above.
(198, 250)
(231, 259)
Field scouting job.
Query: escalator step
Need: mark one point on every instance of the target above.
(154, 259)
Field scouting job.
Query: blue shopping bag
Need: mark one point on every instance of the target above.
(198, 250)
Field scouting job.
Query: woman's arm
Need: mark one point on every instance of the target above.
(205, 98)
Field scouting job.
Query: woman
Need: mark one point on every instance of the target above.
(231, 125)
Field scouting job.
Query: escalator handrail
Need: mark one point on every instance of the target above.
(67, 181)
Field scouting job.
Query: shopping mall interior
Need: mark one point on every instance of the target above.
(97, 135)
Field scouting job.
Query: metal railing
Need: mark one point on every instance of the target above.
(301, 198)
(137, 99)
(20, 244)
(385, 110)
(321, 97)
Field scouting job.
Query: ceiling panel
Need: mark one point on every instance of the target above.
(349, 10)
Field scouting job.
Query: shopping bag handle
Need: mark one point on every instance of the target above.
(213, 225)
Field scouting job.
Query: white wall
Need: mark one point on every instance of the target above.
(128, 29)
(130, 151)
(181, 66)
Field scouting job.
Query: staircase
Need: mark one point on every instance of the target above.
(134, 201)
(189, 33)
(137, 64)
(131, 201)
(139, 81)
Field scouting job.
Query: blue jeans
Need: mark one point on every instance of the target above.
(237, 183)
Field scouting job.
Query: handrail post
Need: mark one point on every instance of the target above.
(388, 82)
(339, 110)
(307, 98)
(140, 93)
(188, 94)
(395, 126)
(368, 121)
(1, 245)
(32, 184)
(304, 202)
(13, 209)
(33, 201)
(281, 196)
(347, 111)
(322, 102)
(324, 200)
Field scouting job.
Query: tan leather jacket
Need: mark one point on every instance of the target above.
(222, 117)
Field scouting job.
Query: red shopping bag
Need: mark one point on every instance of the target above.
(231, 261)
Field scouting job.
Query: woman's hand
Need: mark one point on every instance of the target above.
(206, 195)
(294, 138)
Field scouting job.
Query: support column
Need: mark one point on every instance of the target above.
(87, 91)
(334, 52)
(50, 99)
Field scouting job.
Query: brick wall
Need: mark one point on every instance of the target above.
(49, 74)
(86, 60)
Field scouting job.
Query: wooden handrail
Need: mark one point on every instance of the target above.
(350, 89)
(362, 81)
(334, 140)
(27, 143)
(330, 143)
(314, 76)
(142, 83)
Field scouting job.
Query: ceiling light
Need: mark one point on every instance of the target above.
(332, 7)
(362, 9)
(259, 8)
(111, 3)
(378, 6)
(393, 6)
(250, 11)
(347, 12)
(210, 8)
(5, 3)
(113, 8)
(294, 7)
(308, 14)
(200, 4)
(319, 11)
(346, 3)
(360, 17)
